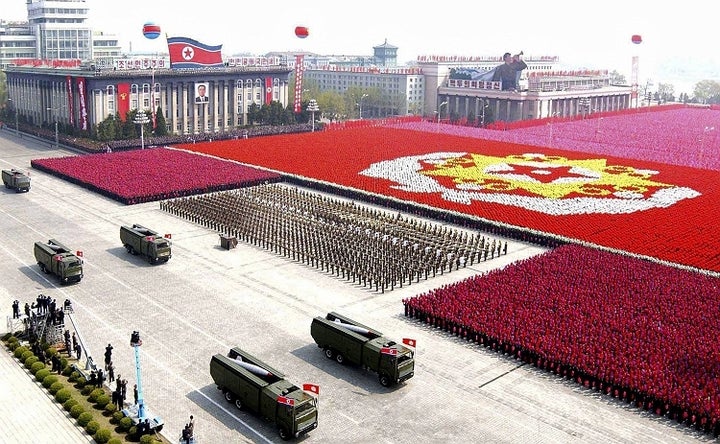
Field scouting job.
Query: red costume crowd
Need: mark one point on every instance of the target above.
(633, 329)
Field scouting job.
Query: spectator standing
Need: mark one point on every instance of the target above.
(108, 355)
(111, 372)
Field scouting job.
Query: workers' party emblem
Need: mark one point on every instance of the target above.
(548, 184)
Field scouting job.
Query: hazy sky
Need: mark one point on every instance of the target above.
(679, 41)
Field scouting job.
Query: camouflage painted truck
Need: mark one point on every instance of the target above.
(346, 340)
(253, 385)
(54, 257)
(146, 242)
(16, 180)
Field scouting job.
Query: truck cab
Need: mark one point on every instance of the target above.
(253, 385)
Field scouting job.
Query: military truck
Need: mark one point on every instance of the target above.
(250, 383)
(140, 240)
(16, 180)
(346, 340)
(54, 257)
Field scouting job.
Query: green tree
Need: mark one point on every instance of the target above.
(665, 92)
(130, 129)
(160, 123)
(3, 90)
(707, 91)
(352, 98)
(617, 79)
(253, 114)
(331, 104)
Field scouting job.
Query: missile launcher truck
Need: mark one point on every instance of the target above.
(346, 340)
(54, 257)
(140, 240)
(16, 180)
(253, 385)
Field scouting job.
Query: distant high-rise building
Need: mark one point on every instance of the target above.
(55, 30)
(60, 29)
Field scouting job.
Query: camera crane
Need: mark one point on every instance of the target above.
(138, 413)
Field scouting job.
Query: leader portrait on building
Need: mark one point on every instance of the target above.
(201, 93)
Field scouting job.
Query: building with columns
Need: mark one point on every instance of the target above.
(83, 97)
(544, 92)
(566, 95)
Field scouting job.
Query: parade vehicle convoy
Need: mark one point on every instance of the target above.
(146, 242)
(346, 340)
(54, 257)
(16, 180)
(253, 385)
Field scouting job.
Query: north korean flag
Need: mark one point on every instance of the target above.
(409, 341)
(312, 388)
(188, 53)
(389, 351)
(285, 400)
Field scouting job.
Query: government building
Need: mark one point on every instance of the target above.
(60, 71)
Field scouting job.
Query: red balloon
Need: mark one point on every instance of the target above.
(636, 39)
(302, 31)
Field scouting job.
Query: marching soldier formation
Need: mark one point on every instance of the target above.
(374, 248)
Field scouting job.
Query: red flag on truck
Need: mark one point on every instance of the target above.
(389, 351)
(285, 400)
(312, 388)
(410, 342)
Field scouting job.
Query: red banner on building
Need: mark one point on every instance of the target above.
(268, 89)
(298, 82)
(123, 100)
(82, 99)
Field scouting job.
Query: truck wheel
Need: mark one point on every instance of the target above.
(284, 434)
(329, 353)
(340, 358)
(43, 269)
(384, 380)
(229, 396)
(238, 404)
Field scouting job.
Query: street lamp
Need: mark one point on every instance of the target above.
(484, 106)
(440, 112)
(17, 132)
(57, 139)
(142, 119)
(312, 107)
(360, 104)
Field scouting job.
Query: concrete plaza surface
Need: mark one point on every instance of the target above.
(206, 300)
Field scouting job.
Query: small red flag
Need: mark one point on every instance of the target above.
(410, 342)
(312, 388)
(285, 400)
(389, 351)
